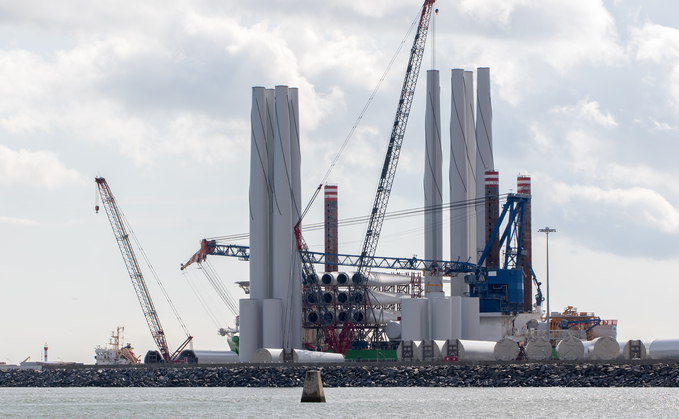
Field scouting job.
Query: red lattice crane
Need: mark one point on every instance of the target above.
(116, 217)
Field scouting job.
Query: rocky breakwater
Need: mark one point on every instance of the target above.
(454, 375)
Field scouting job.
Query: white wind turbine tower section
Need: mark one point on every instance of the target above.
(471, 162)
(295, 310)
(272, 316)
(458, 178)
(433, 174)
(484, 156)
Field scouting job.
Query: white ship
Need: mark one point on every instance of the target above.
(115, 353)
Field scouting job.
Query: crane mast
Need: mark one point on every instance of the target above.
(122, 237)
(388, 172)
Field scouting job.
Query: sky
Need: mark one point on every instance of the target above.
(155, 96)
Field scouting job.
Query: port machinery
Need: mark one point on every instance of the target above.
(116, 218)
(506, 234)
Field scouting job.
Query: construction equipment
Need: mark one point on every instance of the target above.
(116, 217)
(388, 173)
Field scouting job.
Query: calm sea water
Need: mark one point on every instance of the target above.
(341, 402)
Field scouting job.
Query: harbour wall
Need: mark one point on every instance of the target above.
(397, 375)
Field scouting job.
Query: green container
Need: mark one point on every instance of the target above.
(371, 355)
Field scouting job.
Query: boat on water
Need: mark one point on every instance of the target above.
(115, 353)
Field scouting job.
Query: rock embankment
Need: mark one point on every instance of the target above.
(508, 375)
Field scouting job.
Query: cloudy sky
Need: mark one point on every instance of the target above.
(155, 96)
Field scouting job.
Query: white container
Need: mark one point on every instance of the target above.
(407, 350)
(604, 348)
(570, 349)
(626, 347)
(538, 349)
(664, 349)
(208, 357)
(313, 357)
(506, 349)
(268, 355)
(429, 350)
(476, 350)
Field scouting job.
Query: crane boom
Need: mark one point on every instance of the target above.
(115, 217)
(391, 158)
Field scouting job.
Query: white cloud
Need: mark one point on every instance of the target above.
(16, 221)
(535, 35)
(658, 44)
(496, 11)
(585, 109)
(38, 169)
(634, 205)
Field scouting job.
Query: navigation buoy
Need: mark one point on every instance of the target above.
(313, 388)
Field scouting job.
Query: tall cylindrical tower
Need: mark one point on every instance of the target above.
(484, 146)
(295, 311)
(260, 192)
(492, 213)
(281, 216)
(433, 192)
(458, 179)
(523, 187)
(331, 221)
(471, 167)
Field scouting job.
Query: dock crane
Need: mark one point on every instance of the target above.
(388, 173)
(115, 217)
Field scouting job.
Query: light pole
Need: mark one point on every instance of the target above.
(547, 230)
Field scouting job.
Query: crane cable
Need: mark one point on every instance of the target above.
(153, 271)
(218, 285)
(358, 220)
(360, 116)
(192, 284)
